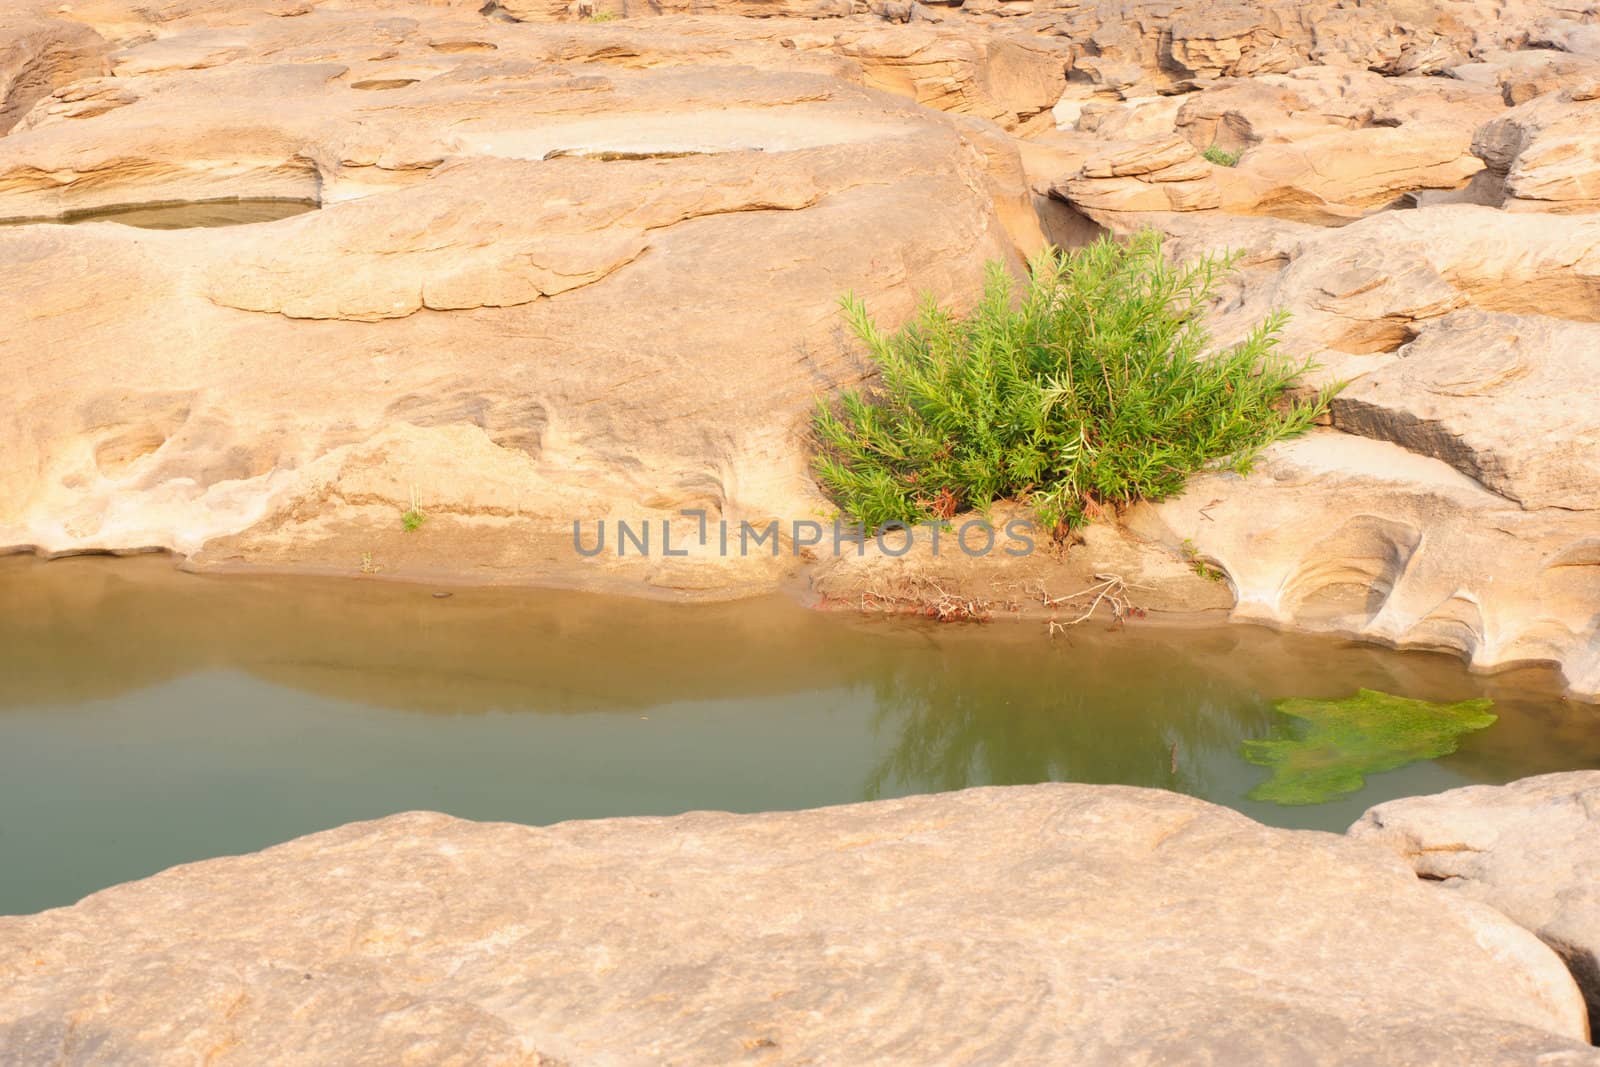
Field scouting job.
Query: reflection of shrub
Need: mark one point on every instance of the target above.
(1092, 388)
(1221, 157)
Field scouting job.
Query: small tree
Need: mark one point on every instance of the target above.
(1094, 387)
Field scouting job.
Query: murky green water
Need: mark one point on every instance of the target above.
(149, 718)
(203, 214)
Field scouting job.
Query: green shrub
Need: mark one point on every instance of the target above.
(1221, 157)
(1092, 388)
(412, 518)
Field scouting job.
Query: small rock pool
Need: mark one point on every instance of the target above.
(184, 215)
(149, 717)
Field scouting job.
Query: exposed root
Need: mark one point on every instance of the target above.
(1108, 589)
(923, 596)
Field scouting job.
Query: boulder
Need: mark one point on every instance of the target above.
(39, 55)
(1545, 154)
(1159, 174)
(1467, 389)
(1530, 849)
(1054, 923)
(1335, 177)
(1328, 178)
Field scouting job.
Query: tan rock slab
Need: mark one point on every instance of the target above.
(1530, 849)
(1056, 923)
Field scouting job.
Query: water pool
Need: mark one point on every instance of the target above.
(149, 717)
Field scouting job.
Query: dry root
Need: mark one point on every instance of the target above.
(922, 596)
(1108, 589)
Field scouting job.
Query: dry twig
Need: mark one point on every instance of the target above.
(1109, 589)
(926, 597)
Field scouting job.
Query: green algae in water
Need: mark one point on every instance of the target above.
(1337, 743)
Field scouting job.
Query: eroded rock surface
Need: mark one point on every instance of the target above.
(1361, 537)
(1432, 401)
(1545, 154)
(580, 260)
(534, 295)
(1530, 849)
(39, 56)
(1453, 509)
(1061, 923)
(1462, 319)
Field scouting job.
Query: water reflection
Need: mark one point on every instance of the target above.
(1169, 708)
(985, 718)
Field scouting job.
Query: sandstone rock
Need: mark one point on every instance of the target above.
(1051, 158)
(551, 10)
(1337, 177)
(1162, 159)
(1005, 77)
(462, 330)
(40, 55)
(1161, 174)
(1264, 246)
(1061, 923)
(1467, 390)
(1002, 77)
(1354, 536)
(1235, 41)
(1566, 35)
(1106, 75)
(1324, 175)
(423, 137)
(1246, 111)
(1525, 76)
(1148, 44)
(938, 70)
(1367, 288)
(1177, 47)
(1546, 153)
(1311, 101)
(1485, 549)
(1129, 120)
(1528, 849)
